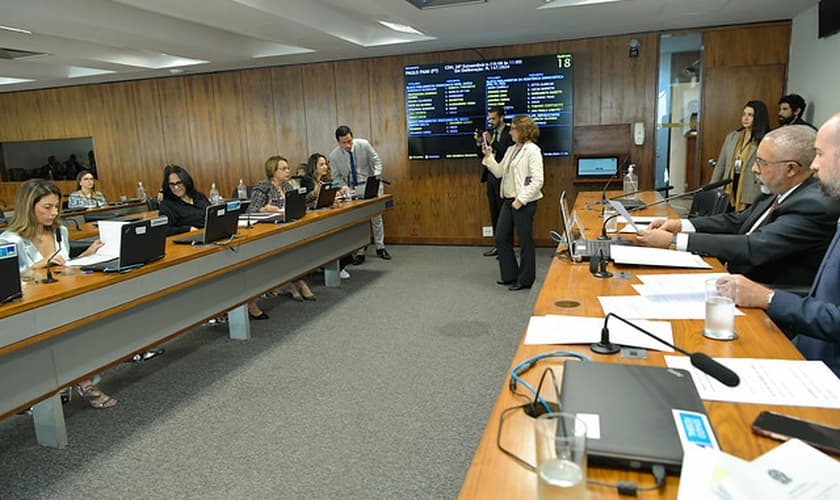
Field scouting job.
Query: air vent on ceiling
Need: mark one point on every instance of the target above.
(14, 54)
(434, 4)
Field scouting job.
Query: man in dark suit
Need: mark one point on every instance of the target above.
(498, 137)
(813, 322)
(782, 237)
(791, 110)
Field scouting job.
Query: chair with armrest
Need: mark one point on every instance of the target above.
(711, 202)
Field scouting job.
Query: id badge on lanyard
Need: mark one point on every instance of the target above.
(738, 166)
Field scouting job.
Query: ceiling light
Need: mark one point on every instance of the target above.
(401, 28)
(15, 30)
(553, 4)
(433, 4)
(8, 81)
(80, 71)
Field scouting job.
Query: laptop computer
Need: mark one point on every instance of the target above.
(583, 249)
(220, 222)
(371, 189)
(9, 273)
(633, 409)
(295, 207)
(141, 242)
(326, 196)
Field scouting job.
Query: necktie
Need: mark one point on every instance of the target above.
(353, 178)
(495, 136)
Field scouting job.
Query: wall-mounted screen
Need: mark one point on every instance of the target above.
(48, 159)
(446, 103)
(596, 166)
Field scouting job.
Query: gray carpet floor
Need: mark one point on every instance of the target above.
(380, 389)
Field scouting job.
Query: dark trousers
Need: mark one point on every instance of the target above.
(523, 220)
(494, 199)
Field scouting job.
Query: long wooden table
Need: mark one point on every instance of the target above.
(63, 332)
(493, 474)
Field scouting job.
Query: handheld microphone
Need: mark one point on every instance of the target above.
(707, 187)
(49, 278)
(701, 361)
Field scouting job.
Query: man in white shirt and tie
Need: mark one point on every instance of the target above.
(781, 238)
(352, 162)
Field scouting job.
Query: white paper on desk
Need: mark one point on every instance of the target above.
(110, 234)
(561, 329)
(676, 306)
(641, 221)
(680, 281)
(769, 382)
(631, 254)
(811, 474)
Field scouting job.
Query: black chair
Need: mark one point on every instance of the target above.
(709, 203)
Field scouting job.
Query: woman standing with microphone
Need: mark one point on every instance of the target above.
(521, 174)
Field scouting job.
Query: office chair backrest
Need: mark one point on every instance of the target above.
(709, 203)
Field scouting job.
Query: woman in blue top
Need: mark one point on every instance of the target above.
(40, 239)
(86, 195)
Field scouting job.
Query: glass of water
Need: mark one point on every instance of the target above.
(611, 219)
(561, 456)
(720, 314)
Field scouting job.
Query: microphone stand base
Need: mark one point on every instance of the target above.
(605, 348)
(602, 274)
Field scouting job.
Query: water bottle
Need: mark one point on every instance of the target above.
(241, 191)
(631, 183)
(141, 191)
(215, 197)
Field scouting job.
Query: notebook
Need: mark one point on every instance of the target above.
(219, 223)
(126, 245)
(326, 196)
(9, 273)
(634, 406)
(583, 249)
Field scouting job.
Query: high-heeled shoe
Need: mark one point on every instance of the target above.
(306, 292)
(296, 296)
(261, 315)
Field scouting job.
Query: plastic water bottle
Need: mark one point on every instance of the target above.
(631, 183)
(241, 191)
(141, 191)
(215, 197)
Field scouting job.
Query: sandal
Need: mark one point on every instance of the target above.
(95, 397)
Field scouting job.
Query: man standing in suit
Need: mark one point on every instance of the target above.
(791, 109)
(352, 162)
(813, 322)
(498, 137)
(779, 239)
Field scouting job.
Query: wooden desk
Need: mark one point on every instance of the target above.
(63, 332)
(492, 474)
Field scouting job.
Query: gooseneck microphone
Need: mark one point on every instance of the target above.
(50, 278)
(701, 361)
(707, 187)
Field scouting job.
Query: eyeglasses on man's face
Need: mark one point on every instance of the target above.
(762, 163)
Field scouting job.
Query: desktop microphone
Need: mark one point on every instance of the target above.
(383, 181)
(707, 187)
(49, 278)
(701, 361)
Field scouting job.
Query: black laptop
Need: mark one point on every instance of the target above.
(634, 406)
(220, 223)
(326, 196)
(9, 273)
(371, 187)
(295, 206)
(141, 242)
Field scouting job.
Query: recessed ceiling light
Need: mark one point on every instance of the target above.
(15, 30)
(4, 80)
(553, 4)
(80, 71)
(401, 28)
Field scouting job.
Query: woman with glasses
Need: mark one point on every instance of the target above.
(521, 174)
(185, 207)
(269, 196)
(86, 195)
(737, 156)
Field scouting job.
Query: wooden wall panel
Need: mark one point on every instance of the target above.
(290, 114)
(223, 126)
(322, 99)
(258, 122)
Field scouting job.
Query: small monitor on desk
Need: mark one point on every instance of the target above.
(596, 167)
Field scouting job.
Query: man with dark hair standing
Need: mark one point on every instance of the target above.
(498, 137)
(352, 162)
(813, 321)
(791, 110)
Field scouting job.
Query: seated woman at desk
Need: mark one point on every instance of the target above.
(319, 172)
(41, 240)
(185, 207)
(86, 196)
(269, 196)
